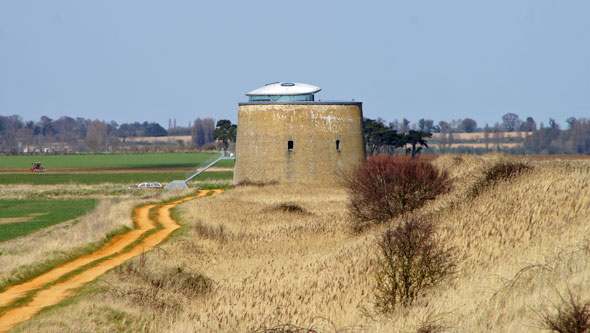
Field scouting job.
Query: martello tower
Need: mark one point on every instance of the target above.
(284, 135)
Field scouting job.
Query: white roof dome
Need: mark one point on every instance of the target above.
(284, 88)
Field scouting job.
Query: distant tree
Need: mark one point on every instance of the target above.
(553, 124)
(380, 138)
(570, 122)
(225, 132)
(486, 136)
(428, 125)
(468, 125)
(154, 129)
(529, 125)
(510, 122)
(96, 135)
(202, 131)
(394, 125)
(416, 140)
(404, 126)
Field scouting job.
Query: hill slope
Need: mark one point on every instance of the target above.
(286, 254)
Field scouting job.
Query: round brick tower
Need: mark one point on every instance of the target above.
(284, 135)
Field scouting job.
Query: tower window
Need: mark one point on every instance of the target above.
(290, 145)
(337, 145)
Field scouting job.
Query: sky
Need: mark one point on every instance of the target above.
(140, 60)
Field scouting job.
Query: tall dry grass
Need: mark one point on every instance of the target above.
(50, 245)
(520, 244)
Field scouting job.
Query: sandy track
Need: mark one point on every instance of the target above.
(59, 291)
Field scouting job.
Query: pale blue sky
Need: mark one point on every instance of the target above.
(153, 60)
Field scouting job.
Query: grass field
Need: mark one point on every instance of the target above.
(22, 217)
(48, 178)
(520, 245)
(106, 161)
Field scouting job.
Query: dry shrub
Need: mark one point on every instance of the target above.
(572, 316)
(500, 171)
(411, 261)
(289, 207)
(170, 280)
(216, 233)
(248, 182)
(182, 282)
(285, 328)
(386, 186)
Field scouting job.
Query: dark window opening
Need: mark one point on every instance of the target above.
(337, 145)
(290, 145)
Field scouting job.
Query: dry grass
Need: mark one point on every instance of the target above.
(42, 248)
(520, 244)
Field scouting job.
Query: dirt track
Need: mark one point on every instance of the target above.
(110, 254)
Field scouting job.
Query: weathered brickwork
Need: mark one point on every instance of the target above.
(264, 132)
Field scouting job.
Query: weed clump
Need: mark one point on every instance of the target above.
(500, 171)
(411, 260)
(288, 207)
(572, 316)
(386, 186)
(248, 182)
(216, 233)
(285, 328)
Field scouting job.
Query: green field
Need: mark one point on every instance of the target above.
(48, 178)
(113, 161)
(52, 212)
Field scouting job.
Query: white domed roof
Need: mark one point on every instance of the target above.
(284, 88)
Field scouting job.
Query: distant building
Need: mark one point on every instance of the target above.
(284, 135)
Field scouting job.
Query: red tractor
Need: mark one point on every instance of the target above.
(37, 167)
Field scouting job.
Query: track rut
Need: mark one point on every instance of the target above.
(46, 292)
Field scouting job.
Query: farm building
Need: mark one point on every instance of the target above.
(284, 135)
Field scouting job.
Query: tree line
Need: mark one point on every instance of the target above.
(381, 136)
(68, 134)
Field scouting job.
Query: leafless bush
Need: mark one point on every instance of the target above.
(289, 207)
(500, 171)
(411, 261)
(248, 182)
(285, 328)
(216, 233)
(572, 316)
(186, 283)
(387, 186)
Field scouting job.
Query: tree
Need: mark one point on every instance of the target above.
(510, 122)
(416, 139)
(154, 129)
(96, 135)
(379, 138)
(468, 125)
(570, 122)
(202, 131)
(529, 125)
(225, 132)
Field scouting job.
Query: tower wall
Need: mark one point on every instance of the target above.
(265, 129)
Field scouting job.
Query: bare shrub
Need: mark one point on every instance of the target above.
(216, 233)
(572, 316)
(285, 328)
(186, 283)
(386, 186)
(289, 207)
(500, 171)
(411, 261)
(248, 182)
